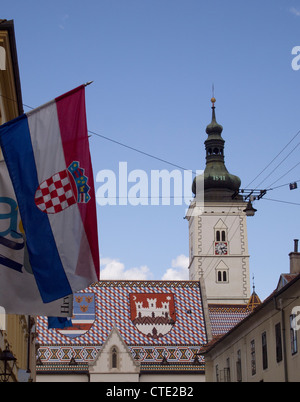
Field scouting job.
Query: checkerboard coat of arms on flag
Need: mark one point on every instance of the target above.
(48, 159)
(153, 314)
(62, 190)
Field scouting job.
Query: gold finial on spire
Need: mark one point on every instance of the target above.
(213, 99)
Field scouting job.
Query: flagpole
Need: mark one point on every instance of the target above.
(88, 83)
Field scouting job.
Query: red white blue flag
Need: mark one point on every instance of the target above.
(48, 159)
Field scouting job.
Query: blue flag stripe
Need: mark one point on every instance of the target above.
(17, 148)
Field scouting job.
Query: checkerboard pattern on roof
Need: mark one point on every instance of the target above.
(113, 308)
(225, 317)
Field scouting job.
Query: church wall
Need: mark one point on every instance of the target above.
(114, 377)
(187, 378)
(62, 378)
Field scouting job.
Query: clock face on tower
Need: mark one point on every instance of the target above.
(221, 248)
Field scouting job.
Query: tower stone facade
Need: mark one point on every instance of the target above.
(218, 244)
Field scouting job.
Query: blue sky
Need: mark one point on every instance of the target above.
(153, 64)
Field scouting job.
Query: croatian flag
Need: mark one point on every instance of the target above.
(48, 159)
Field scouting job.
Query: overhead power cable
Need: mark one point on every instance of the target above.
(195, 173)
(269, 164)
(122, 144)
(283, 176)
(285, 202)
(139, 151)
(278, 165)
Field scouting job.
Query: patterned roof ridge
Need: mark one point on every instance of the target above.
(128, 282)
(63, 368)
(228, 306)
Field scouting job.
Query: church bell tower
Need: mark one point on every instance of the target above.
(218, 244)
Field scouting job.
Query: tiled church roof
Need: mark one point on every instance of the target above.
(179, 342)
(223, 317)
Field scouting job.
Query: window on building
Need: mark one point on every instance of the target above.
(222, 276)
(227, 370)
(114, 357)
(278, 342)
(264, 350)
(239, 366)
(220, 235)
(217, 373)
(293, 334)
(253, 357)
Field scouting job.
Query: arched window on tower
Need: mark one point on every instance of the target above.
(222, 276)
(221, 231)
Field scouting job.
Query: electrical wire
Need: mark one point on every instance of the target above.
(139, 151)
(285, 202)
(278, 165)
(283, 185)
(121, 144)
(274, 159)
(185, 169)
(283, 176)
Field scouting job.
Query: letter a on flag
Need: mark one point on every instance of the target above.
(47, 155)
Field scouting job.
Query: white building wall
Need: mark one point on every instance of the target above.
(203, 260)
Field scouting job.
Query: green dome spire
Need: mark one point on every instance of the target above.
(218, 182)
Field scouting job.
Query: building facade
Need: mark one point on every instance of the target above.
(16, 331)
(265, 345)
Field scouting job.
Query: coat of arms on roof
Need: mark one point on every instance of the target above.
(83, 315)
(153, 314)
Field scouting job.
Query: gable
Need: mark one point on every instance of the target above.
(221, 265)
(123, 361)
(220, 225)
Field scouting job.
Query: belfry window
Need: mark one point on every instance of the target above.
(222, 276)
(221, 231)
